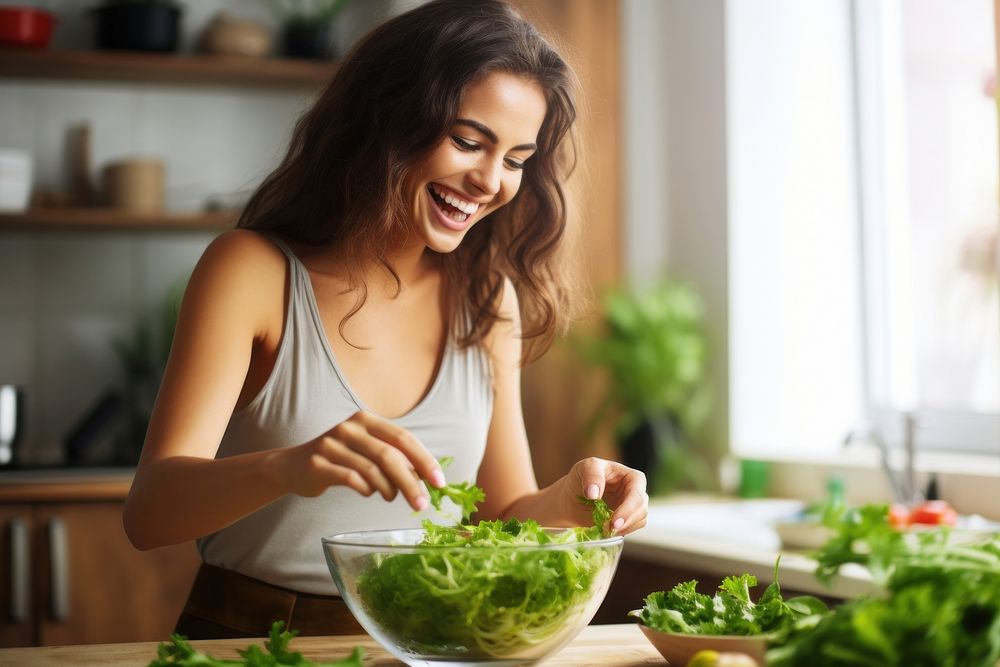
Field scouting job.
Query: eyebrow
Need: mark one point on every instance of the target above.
(491, 135)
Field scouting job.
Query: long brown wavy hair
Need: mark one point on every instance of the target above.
(394, 97)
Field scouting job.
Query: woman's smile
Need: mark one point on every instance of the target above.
(477, 166)
(456, 211)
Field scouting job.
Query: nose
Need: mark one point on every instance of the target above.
(486, 177)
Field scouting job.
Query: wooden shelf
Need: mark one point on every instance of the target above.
(187, 69)
(86, 219)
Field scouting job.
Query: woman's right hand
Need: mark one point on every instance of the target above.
(366, 453)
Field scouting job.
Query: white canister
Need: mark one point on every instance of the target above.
(15, 180)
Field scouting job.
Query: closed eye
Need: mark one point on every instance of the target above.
(464, 144)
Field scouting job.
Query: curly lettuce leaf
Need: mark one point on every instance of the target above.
(465, 495)
(276, 653)
(730, 612)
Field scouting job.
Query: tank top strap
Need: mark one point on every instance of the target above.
(296, 269)
(303, 329)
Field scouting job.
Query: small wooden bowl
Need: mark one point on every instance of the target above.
(678, 648)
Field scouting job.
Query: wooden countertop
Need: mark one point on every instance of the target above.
(596, 646)
(65, 485)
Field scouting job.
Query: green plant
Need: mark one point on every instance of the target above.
(144, 358)
(307, 12)
(653, 346)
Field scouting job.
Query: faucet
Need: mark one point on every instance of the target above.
(903, 483)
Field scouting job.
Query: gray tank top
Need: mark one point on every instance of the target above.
(306, 395)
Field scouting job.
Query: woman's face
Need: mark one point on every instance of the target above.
(477, 167)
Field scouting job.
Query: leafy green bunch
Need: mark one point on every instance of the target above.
(730, 612)
(467, 591)
(940, 606)
(277, 653)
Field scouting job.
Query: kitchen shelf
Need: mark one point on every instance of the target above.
(187, 69)
(86, 219)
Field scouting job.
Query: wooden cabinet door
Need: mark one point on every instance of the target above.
(17, 609)
(94, 587)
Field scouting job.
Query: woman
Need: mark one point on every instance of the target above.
(367, 319)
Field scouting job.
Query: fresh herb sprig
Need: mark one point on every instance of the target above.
(179, 652)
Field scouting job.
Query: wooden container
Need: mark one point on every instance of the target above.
(135, 184)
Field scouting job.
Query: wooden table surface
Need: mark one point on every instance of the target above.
(596, 646)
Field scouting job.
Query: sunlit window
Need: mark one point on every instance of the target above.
(863, 221)
(926, 88)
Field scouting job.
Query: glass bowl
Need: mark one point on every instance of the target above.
(470, 605)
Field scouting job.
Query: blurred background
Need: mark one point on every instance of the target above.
(787, 216)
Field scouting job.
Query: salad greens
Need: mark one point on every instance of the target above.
(464, 494)
(179, 652)
(462, 592)
(940, 607)
(730, 612)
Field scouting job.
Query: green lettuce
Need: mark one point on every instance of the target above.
(277, 653)
(730, 612)
(463, 592)
(939, 607)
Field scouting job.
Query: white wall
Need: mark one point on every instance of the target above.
(64, 296)
(675, 163)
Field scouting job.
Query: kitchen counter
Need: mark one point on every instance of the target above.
(724, 537)
(596, 646)
(56, 485)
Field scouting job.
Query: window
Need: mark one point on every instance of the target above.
(929, 181)
(862, 224)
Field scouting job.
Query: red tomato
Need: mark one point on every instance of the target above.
(934, 513)
(899, 516)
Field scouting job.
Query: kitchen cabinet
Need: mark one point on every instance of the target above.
(70, 575)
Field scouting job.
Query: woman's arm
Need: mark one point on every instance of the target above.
(180, 491)
(506, 474)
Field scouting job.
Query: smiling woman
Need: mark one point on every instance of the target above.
(367, 321)
(477, 168)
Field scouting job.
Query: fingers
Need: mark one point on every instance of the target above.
(385, 458)
(592, 473)
(419, 458)
(342, 456)
(599, 478)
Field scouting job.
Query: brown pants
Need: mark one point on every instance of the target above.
(224, 604)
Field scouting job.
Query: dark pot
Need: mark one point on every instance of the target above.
(138, 27)
(305, 40)
(639, 450)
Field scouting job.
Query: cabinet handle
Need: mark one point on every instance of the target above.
(20, 571)
(59, 575)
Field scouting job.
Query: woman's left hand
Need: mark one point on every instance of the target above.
(621, 487)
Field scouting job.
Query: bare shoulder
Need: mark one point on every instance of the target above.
(241, 271)
(243, 250)
(504, 340)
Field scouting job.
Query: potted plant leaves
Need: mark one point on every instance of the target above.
(652, 345)
(138, 25)
(307, 27)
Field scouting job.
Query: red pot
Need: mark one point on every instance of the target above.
(26, 27)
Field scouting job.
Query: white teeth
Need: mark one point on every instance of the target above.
(467, 207)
